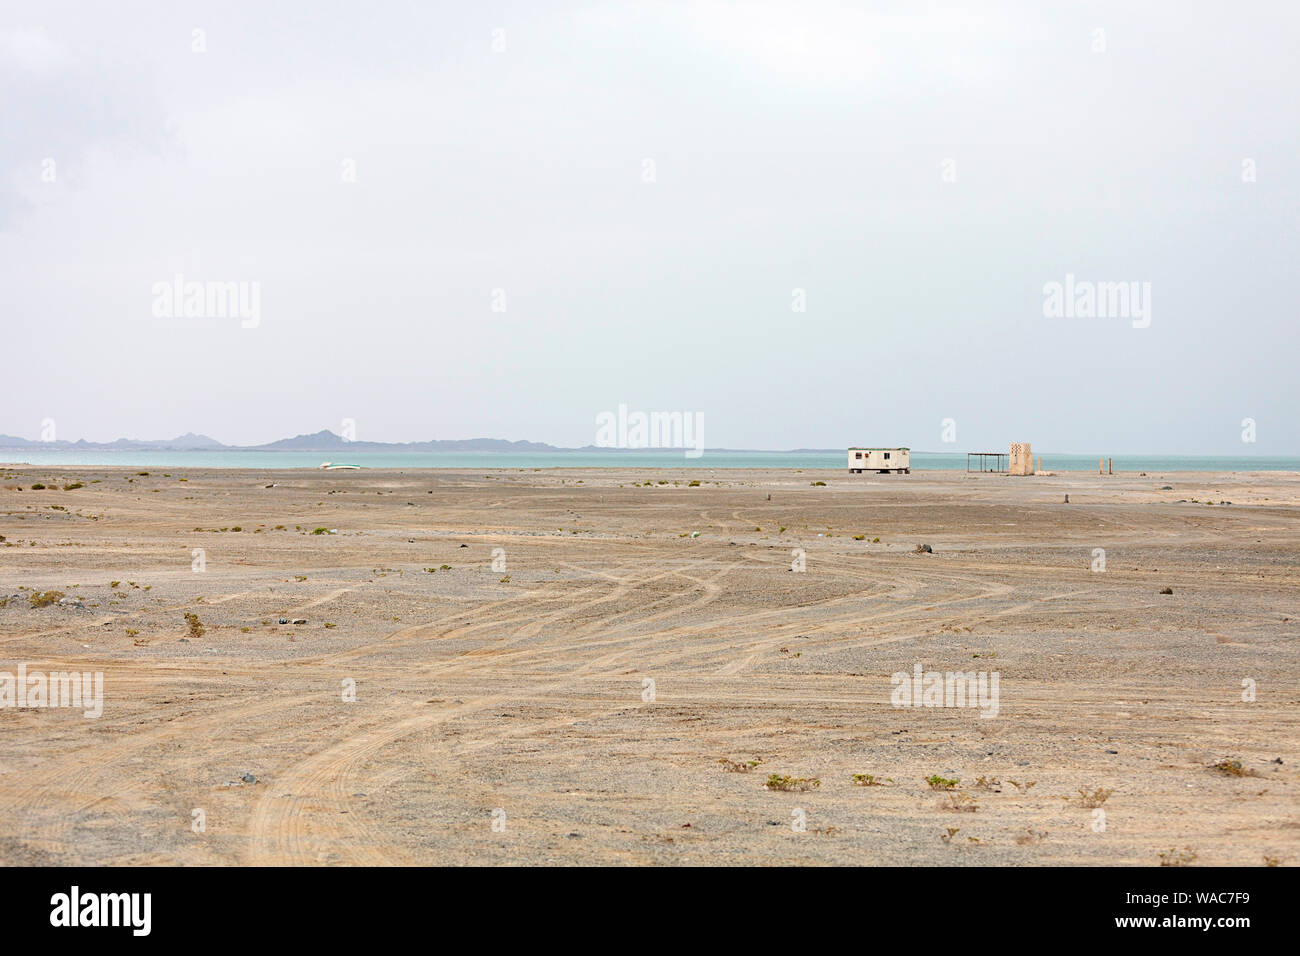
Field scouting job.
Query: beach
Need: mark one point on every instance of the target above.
(658, 666)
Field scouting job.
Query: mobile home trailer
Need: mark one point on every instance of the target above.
(882, 460)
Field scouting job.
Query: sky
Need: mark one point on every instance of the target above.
(807, 224)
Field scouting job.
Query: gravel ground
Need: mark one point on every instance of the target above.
(503, 716)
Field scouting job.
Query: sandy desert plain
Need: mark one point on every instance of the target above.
(519, 697)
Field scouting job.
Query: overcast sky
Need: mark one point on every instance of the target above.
(643, 188)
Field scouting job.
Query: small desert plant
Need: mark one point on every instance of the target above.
(1031, 837)
(937, 782)
(44, 598)
(866, 780)
(195, 625)
(37, 486)
(1233, 768)
(733, 766)
(992, 784)
(1022, 787)
(321, 531)
(960, 803)
(505, 580)
(73, 486)
(1090, 801)
(859, 537)
(778, 781)
(444, 567)
(819, 484)
(1174, 857)
(692, 484)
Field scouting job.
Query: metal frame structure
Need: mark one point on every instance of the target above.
(999, 461)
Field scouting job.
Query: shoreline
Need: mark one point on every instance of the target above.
(685, 469)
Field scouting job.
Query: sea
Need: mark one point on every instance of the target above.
(710, 460)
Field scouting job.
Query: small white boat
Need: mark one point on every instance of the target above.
(338, 466)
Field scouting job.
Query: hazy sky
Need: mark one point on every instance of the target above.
(648, 184)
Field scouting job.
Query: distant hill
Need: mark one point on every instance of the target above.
(323, 440)
(187, 442)
(326, 440)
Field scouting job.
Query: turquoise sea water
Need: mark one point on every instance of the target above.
(921, 461)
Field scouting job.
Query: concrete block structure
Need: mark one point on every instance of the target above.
(1022, 458)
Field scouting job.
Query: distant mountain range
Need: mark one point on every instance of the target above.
(323, 440)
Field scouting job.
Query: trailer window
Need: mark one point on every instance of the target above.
(858, 455)
(886, 454)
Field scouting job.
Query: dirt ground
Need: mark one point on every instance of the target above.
(622, 690)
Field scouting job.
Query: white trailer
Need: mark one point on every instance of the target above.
(882, 460)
